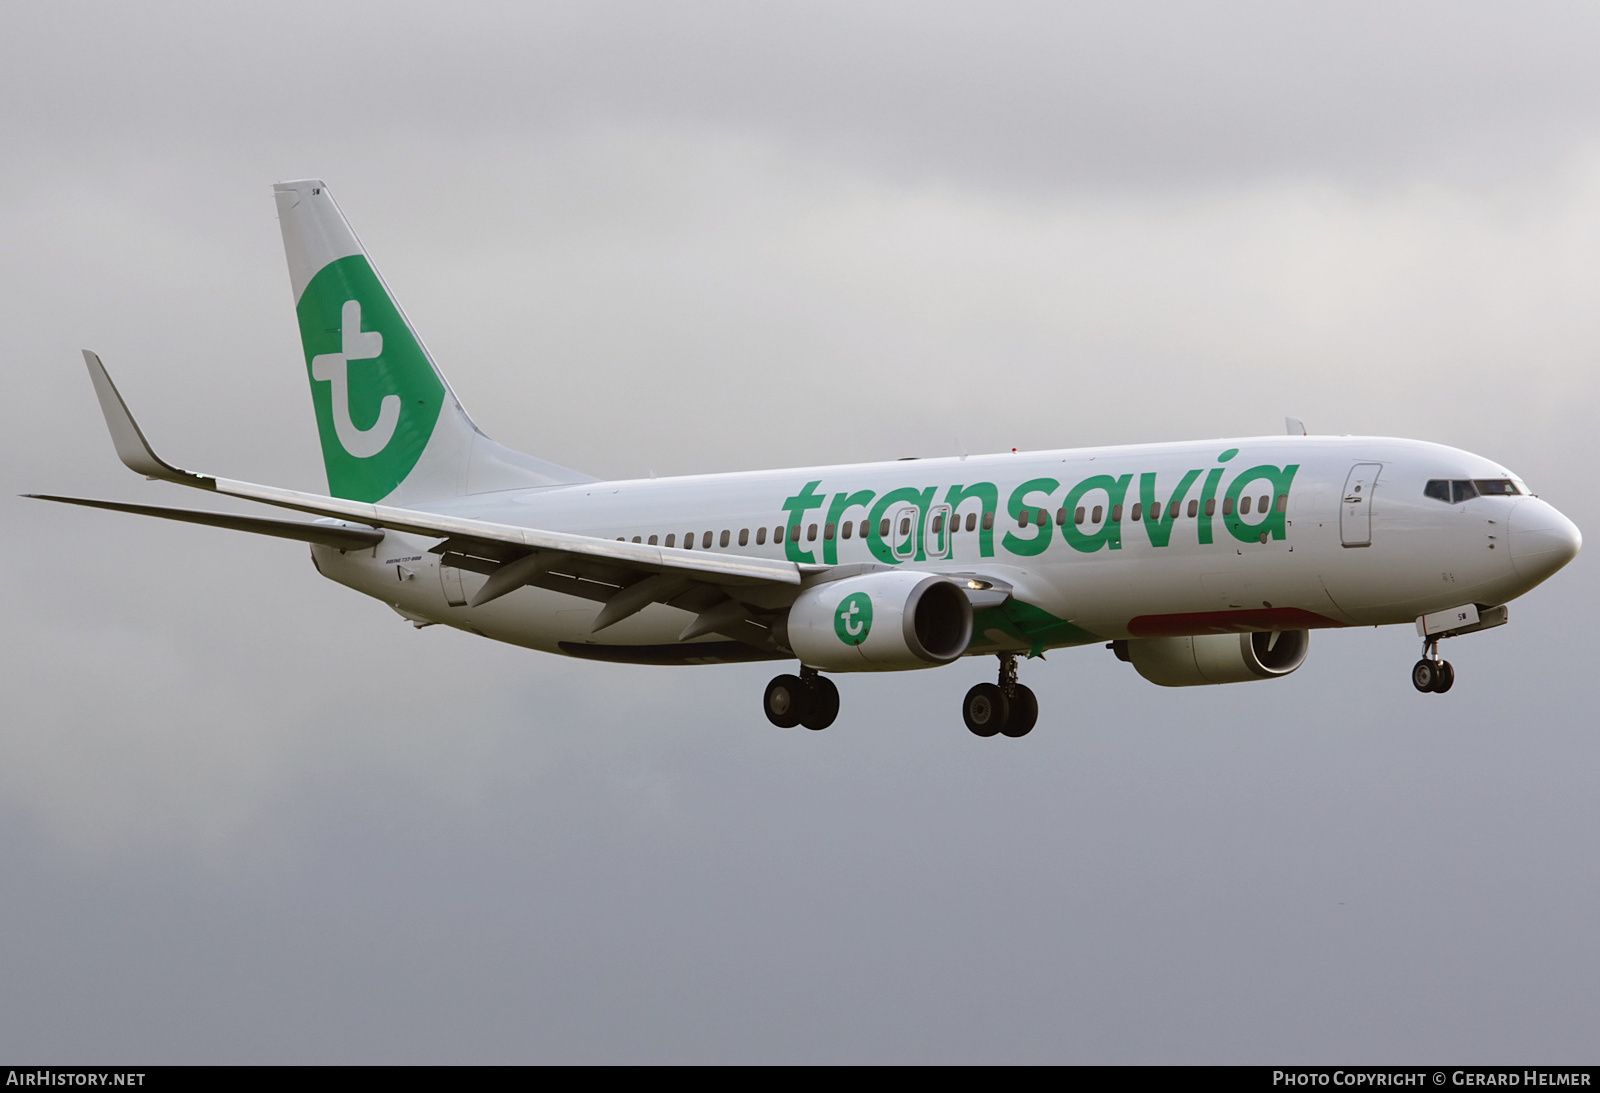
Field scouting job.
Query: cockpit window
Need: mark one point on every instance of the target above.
(1455, 491)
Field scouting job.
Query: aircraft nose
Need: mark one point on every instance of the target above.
(1542, 540)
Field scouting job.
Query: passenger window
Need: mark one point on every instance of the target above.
(1023, 517)
(1116, 514)
(1462, 491)
(827, 532)
(722, 540)
(1211, 506)
(883, 527)
(1155, 510)
(688, 540)
(1227, 506)
(672, 540)
(1099, 511)
(1283, 502)
(1061, 517)
(1194, 509)
(1077, 516)
(1134, 515)
(777, 535)
(849, 526)
(761, 535)
(794, 533)
(744, 536)
(988, 521)
(905, 525)
(636, 539)
(1262, 506)
(866, 526)
(1244, 507)
(972, 520)
(811, 534)
(653, 539)
(938, 523)
(705, 541)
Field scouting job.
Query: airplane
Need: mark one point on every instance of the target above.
(1196, 562)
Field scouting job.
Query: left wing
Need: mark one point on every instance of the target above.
(727, 592)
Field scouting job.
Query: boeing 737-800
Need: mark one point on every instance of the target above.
(1199, 562)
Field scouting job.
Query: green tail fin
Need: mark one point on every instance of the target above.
(391, 428)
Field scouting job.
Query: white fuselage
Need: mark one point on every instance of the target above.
(1348, 538)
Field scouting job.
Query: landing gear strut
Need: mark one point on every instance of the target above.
(1002, 707)
(809, 699)
(1430, 673)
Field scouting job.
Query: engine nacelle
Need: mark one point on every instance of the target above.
(881, 622)
(1216, 658)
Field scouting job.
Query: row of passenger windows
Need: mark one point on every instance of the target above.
(846, 530)
(1080, 514)
(1025, 517)
(1455, 491)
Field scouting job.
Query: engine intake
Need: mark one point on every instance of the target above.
(881, 622)
(1216, 658)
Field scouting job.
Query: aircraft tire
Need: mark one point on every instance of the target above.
(1445, 678)
(785, 701)
(1024, 712)
(821, 705)
(985, 709)
(1424, 675)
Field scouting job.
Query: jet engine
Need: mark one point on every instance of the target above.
(880, 622)
(1216, 658)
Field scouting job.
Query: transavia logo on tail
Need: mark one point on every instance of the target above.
(853, 619)
(375, 392)
(334, 368)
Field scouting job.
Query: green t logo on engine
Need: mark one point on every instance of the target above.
(853, 620)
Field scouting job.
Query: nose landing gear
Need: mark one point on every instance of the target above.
(1430, 673)
(809, 699)
(1005, 707)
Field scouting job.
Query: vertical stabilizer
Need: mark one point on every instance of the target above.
(391, 428)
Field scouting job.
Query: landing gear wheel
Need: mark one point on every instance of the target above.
(785, 701)
(985, 709)
(822, 703)
(1444, 677)
(1024, 712)
(1425, 675)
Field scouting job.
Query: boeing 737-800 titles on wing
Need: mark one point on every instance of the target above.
(1197, 562)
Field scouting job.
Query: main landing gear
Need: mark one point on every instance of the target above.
(809, 699)
(1430, 673)
(1003, 707)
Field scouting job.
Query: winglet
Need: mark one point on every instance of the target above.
(132, 448)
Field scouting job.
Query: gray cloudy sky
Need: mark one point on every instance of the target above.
(246, 815)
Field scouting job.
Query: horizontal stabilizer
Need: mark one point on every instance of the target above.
(344, 538)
